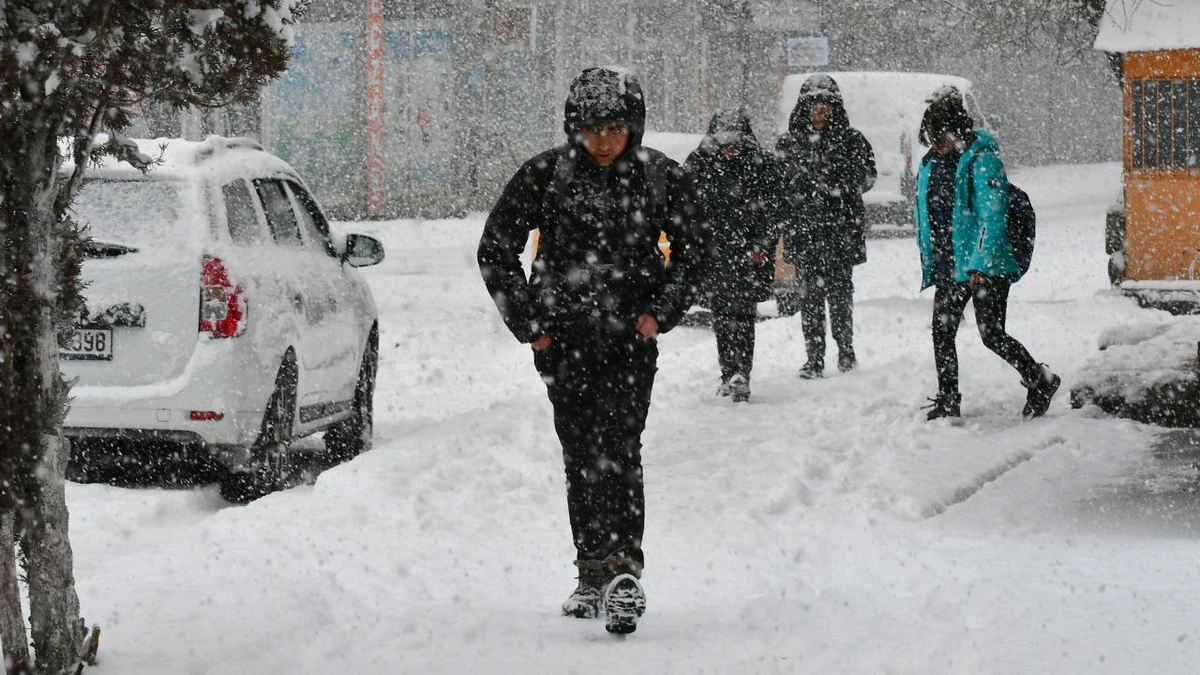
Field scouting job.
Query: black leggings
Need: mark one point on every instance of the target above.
(991, 312)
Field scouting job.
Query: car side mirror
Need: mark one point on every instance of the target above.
(362, 251)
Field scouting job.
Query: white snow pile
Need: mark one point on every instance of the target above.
(1136, 357)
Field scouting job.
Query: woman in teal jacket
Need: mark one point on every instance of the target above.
(961, 214)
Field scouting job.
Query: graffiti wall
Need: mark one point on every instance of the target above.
(418, 110)
(314, 116)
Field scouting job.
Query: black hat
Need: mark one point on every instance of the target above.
(605, 95)
(731, 126)
(946, 113)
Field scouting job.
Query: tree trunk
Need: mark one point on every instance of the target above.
(33, 398)
(12, 615)
(58, 631)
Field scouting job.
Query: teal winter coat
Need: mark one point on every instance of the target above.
(980, 233)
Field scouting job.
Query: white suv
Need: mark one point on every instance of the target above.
(222, 314)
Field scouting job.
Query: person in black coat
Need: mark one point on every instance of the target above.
(599, 294)
(827, 164)
(736, 182)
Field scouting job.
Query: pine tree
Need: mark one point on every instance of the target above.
(75, 71)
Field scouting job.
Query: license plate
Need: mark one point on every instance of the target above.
(89, 344)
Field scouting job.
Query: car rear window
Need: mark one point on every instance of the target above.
(128, 211)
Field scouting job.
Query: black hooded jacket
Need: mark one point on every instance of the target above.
(597, 252)
(826, 173)
(739, 197)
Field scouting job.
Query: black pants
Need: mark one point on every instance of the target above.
(835, 287)
(599, 385)
(991, 312)
(733, 324)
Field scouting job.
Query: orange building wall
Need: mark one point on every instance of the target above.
(1162, 206)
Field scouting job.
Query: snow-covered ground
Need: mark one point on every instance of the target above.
(823, 528)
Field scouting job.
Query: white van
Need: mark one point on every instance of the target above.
(221, 313)
(887, 108)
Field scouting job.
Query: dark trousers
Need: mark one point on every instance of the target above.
(599, 385)
(835, 287)
(733, 324)
(991, 312)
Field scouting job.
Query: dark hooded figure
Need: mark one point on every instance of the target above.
(827, 165)
(738, 186)
(599, 293)
(961, 229)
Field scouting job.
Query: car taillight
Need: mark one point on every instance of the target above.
(222, 308)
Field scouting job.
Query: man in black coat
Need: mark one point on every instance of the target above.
(737, 183)
(599, 294)
(828, 165)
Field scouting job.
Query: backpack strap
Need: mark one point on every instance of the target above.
(656, 181)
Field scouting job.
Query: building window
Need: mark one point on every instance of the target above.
(1166, 124)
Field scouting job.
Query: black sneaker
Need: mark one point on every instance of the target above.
(943, 405)
(1037, 401)
(847, 362)
(624, 604)
(587, 602)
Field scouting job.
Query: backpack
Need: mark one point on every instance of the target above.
(1021, 222)
(1021, 226)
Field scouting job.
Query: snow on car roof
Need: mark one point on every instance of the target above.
(1132, 26)
(182, 159)
(675, 145)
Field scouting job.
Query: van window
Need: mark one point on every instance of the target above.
(312, 221)
(239, 212)
(1166, 124)
(280, 217)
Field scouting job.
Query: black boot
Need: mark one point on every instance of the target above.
(944, 405)
(587, 600)
(812, 369)
(1037, 401)
(739, 388)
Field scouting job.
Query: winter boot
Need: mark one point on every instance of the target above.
(1037, 401)
(587, 600)
(847, 362)
(812, 370)
(624, 604)
(944, 405)
(739, 388)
